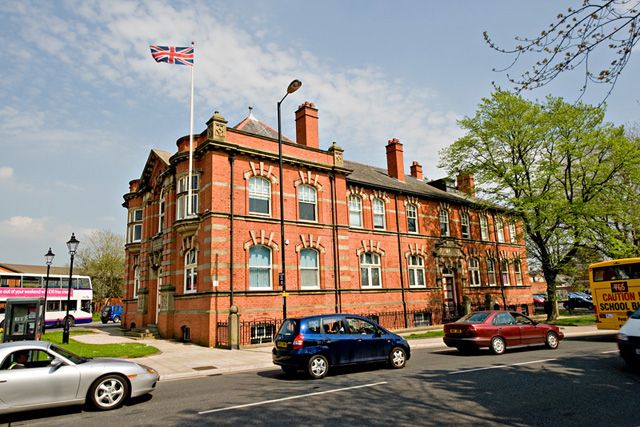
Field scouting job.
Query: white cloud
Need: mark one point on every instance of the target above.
(6, 173)
(22, 224)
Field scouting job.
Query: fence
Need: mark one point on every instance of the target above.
(222, 335)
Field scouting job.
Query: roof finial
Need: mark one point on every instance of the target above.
(250, 111)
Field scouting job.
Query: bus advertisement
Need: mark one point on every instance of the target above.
(17, 285)
(615, 290)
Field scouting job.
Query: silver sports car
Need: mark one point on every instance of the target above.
(38, 374)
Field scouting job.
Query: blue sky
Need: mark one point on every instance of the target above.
(83, 102)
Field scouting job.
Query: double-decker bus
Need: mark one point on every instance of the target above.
(615, 290)
(21, 284)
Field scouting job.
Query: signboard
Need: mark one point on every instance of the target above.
(33, 292)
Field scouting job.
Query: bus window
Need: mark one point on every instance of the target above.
(84, 283)
(73, 306)
(53, 305)
(30, 282)
(85, 305)
(54, 282)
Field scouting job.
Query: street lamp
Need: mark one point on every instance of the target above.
(293, 86)
(48, 257)
(72, 244)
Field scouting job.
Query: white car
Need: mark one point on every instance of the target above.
(38, 374)
(629, 340)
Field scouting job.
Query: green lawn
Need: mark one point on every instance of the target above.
(100, 350)
(427, 334)
(575, 320)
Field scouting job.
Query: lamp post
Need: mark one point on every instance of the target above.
(72, 244)
(293, 86)
(48, 257)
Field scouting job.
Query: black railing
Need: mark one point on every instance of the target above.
(259, 331)
(222, 335)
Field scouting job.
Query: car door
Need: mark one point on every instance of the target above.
(337, 341)
(368, 342)
(529, 333)
(38, 385)
(506, 327)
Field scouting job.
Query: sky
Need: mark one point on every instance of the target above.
(82, 102)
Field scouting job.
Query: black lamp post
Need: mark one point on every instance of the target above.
(72, 244)
(48, 257)
(293, 86)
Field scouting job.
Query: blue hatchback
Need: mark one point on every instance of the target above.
(317, 343)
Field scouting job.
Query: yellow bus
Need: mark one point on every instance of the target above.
(615, 290)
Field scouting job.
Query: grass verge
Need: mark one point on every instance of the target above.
(129, 350)
(427, 334)
(582, 320)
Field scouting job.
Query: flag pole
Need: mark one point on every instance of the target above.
(189, 184)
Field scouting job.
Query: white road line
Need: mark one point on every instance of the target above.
(612, 351)
(265, 402)
(501, 366)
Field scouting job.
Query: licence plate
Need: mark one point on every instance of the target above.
(455, 331)
(281, 344)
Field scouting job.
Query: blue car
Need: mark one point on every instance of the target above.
(111, 313)
(315, 344)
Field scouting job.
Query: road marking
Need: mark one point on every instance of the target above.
(500, 366)
(265, 402)
(612, 351)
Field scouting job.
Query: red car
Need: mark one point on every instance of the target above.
(498, 330)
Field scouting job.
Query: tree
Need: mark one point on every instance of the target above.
(102, 258)
(557, 166)
(573, 39)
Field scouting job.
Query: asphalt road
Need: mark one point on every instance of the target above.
(584, 382)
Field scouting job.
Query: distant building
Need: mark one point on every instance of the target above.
(359, 238)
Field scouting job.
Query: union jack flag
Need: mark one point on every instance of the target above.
(173, 54)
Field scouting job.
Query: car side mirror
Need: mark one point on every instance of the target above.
(534, 323)
(378, 332)
(629, 313)
(56, 363)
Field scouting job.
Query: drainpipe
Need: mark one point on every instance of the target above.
(231, 233)
(404, 302)
(336, 258)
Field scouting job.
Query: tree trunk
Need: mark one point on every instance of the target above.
(551, 306)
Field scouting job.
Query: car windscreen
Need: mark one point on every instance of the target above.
(474, 318)
(289, 327)
(68, 355)
(636, 314)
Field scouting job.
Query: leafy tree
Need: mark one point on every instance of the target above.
(102, 258)
(572, 39)
(557, 166)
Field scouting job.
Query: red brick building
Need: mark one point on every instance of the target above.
(359, 238)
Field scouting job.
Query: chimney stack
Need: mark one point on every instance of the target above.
(416, 170)
(395, 160)
(464, 183)
(307, 125)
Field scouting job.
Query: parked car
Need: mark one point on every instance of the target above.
(52, 376)
(629, 340)
(316, 344)
(578, 300)
(111, 313)
(499, 330)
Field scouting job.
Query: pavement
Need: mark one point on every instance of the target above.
(178, 360)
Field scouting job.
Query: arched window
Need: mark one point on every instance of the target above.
(307, 203)
(504, 271)
(191, 271)
(136, 280)
(378, 214)
(355, 211)
(517, 270)
(512, 232)
(491, 273)
(370, 270)
(484, 228)
(309, 278)
(416, 272)
(259, 267)
(412, 219)
(444, 222)
(474, 272)
(259, 195)
(464, 225)
(183, 193)
(134, 233)
(500, 230)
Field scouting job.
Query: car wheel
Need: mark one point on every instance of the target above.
(497, 345)
(72, 322)
(109, 392)
(397, 358)
(318, 367)
(551, 340)
(104, 321)
(289, 370)
(116, 319)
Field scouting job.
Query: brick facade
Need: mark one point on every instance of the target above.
(224, 231)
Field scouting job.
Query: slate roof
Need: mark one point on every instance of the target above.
(252, 125)
(378, 177)
(32, 269)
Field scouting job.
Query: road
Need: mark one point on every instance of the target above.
(584, 382)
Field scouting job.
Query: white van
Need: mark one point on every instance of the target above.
(629, 340)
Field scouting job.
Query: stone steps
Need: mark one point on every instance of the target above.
(148, 332)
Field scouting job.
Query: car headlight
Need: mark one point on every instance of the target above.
(623, 337)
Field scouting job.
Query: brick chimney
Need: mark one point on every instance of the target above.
(307, 125)
(395, 160)
(464, 183)
(416, 170)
